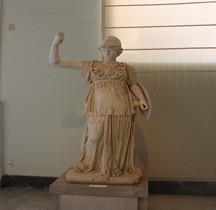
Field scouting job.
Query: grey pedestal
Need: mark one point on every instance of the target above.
(69, 196)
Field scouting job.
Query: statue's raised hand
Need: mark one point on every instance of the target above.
(59, 38)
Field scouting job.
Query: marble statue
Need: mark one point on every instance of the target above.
(107, 152)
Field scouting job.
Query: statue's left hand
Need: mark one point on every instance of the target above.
(143, 105)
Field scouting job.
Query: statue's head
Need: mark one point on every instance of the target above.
(113, 42)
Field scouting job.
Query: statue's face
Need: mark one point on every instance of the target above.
(108, 53)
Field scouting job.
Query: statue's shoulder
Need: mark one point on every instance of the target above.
(130, 69)
(95, 62)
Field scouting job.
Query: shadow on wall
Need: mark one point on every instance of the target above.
(141, 152)
(70, 120)
(180, 135)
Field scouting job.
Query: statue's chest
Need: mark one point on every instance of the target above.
(102, 72)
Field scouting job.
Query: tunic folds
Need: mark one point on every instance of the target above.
(108, 138)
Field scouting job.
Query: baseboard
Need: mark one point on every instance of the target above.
(27, 181)
(183, 187)
(155, 187)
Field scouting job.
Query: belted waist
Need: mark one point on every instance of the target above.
(101, 82)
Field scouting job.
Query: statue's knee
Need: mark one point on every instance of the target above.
(95, 136)
(95, 129)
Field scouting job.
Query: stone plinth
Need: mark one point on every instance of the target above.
(71, 196)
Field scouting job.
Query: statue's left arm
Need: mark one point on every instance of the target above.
(136, 90)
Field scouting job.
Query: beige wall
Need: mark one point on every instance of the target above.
(1, 137)
(1, 145)
(173, 47)
(180, 139)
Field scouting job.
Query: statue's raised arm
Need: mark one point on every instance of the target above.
(54, 57)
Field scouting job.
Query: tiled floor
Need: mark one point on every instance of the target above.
(40, 199)
(25, 199)
(182, 202)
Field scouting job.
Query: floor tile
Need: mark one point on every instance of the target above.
(41, 199)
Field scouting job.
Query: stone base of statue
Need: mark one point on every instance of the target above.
(90, 178)
(98, 196)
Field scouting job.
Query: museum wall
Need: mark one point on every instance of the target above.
(172, 45)
(1, 145)
(43, 106)
(1, 134)
(179, 140)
